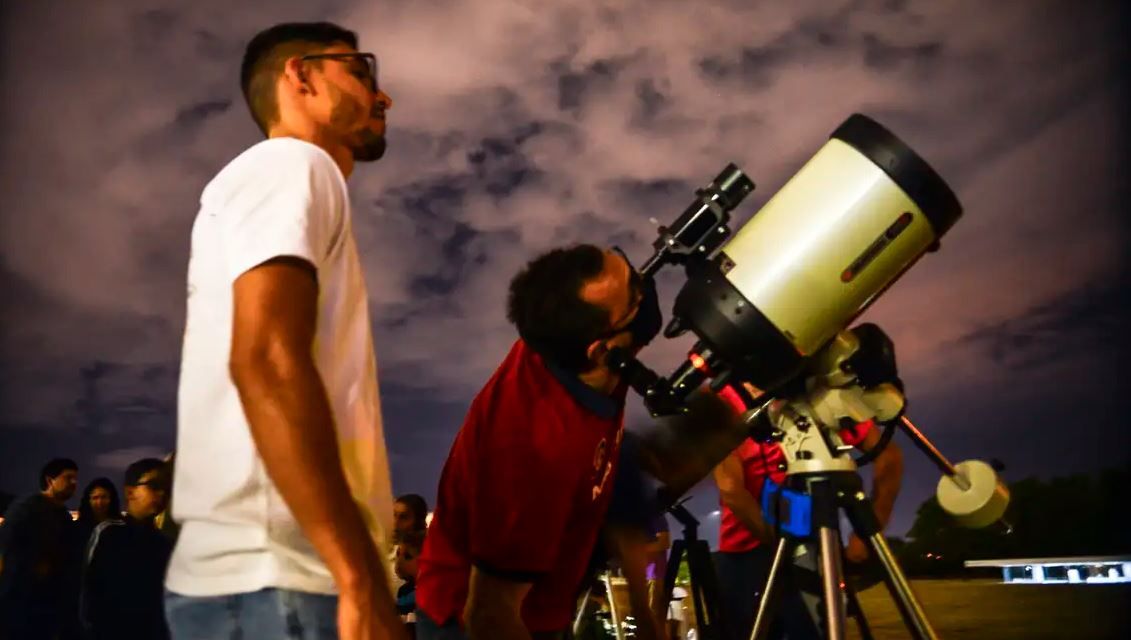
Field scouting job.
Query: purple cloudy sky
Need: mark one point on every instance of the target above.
(521, 125)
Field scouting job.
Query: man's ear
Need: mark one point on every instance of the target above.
(295, 76)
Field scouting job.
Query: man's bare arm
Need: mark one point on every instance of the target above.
(887, 475)
(272, 366)
(732, 489)
(633, 548)
(494, 607)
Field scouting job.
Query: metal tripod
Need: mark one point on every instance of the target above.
(831, 492)
(704, 590)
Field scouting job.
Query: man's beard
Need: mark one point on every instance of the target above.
(366, 145)
(369, 146)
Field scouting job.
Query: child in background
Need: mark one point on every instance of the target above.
(408, 551)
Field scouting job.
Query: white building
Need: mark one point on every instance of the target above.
(1081, 569)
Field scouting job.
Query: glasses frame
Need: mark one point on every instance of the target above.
(154, 485)
(369, 58)
(636, 290)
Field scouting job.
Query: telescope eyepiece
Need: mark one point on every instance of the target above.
(732, 186)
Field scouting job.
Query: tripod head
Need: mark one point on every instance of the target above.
(683, 516)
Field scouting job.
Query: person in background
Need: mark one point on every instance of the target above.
(99, 503)
(746, 548)
(35, 557)
(410, 513)
(408, 551)
(122, 593)
(164, 520)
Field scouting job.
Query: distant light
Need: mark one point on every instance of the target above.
(716, 513)
(428, 519)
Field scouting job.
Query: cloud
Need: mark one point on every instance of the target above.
(195, 114)
(1088, 320)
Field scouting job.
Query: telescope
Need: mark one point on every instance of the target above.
(776, 357)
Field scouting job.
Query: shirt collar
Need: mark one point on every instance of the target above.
(594, 401)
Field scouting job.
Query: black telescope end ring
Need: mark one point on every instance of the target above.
(905, 167)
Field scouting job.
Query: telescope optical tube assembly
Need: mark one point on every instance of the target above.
(844, 228)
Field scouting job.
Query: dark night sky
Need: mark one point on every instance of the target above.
(520, 125)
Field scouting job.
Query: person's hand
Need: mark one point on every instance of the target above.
(368, 614)
(857, 551)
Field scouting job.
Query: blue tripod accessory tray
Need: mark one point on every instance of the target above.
(787, 510)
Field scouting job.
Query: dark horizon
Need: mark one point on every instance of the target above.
(514, 131)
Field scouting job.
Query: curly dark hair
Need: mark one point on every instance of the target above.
(545, 305)
(86, 513)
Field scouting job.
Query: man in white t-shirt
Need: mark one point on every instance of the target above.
(282, 480)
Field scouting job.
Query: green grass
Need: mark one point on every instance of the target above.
(969, 609)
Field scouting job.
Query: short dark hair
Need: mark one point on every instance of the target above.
(86, 513)
(135, 471)
(545, 305)
(269, 50)
(419, 508)
(53, 468)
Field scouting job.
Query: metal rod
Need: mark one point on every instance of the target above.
(913, 615)
(614, 613)
(582, 612)
(765, 615)
(830, 582)
(934, 454)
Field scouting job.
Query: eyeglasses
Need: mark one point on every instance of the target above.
(369, 76)
(155, 485)
(635, 292)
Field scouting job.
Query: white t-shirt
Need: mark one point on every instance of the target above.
(281, 197)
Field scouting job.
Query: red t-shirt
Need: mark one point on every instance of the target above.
(523, 492)
(757, 461)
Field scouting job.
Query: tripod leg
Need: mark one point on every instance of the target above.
(672, 571)
(705, 590)
(825, 514)
(863, 519)
(913, 615)
(767, 606)
(830, 582)
(616, 614)
(582, 612)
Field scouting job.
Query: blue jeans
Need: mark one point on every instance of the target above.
(742, 576)
(427, 629)
(270, 613)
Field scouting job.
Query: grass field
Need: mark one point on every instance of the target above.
(969, 609)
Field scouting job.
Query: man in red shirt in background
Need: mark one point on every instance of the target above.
(527, 483)
(746, 548)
